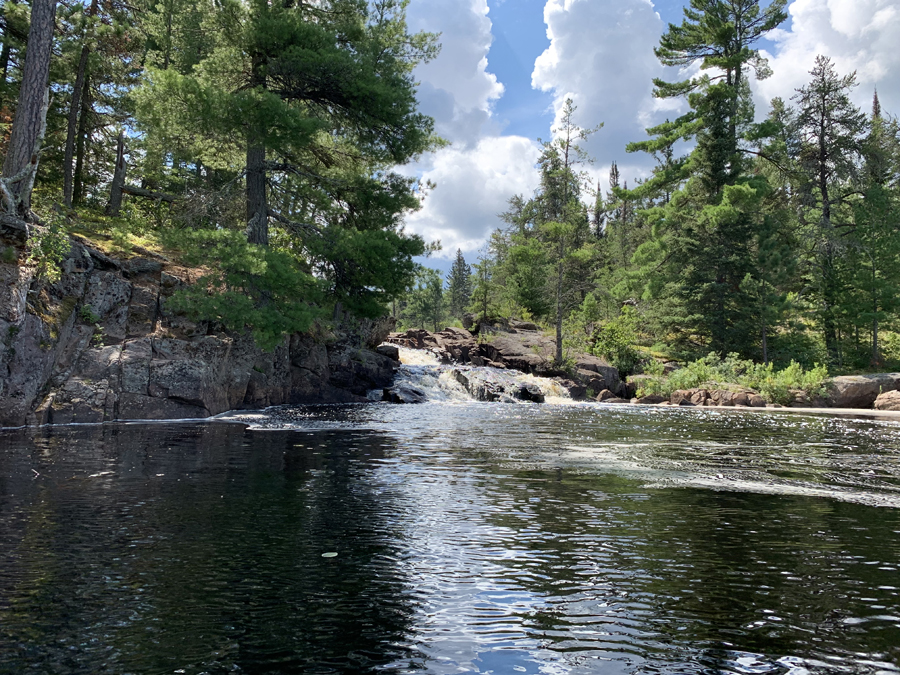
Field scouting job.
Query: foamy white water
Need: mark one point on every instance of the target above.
(423, 370)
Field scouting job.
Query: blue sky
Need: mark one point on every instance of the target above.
(506, 67)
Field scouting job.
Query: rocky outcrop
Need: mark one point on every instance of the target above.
(522, 347)
(100, 344)
(860, 391)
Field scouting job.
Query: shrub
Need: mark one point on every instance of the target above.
(712, 371)
(615, 342)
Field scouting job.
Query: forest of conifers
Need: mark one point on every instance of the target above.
(775, 237)
(255, 140)
(259, 142)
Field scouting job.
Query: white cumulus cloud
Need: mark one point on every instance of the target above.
(860, 35)
(456, 88)
(480, 170)
(473, 187)
(601, 56)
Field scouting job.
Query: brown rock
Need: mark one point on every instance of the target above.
(741, 398)
(681, 395)
(390, 351)
(757, 401)
(860, 391)
(651, 399)
(699, 397)
(889, 400)
(720, 397)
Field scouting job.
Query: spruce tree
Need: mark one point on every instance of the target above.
(459, 286)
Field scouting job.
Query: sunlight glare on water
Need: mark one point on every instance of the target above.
(453, 538)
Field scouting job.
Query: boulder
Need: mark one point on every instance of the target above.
(680, 396)
(889, 400)
(860, 391)
(530, 392)
(741, 398)
(651, 399)
(480, 386)
(699, 396)
(605, 395)
(615, 399)
(720, 397)
(389, 350)
(404, 393)
(757, 401)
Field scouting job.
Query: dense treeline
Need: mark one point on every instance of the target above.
(255, 139)
(776, 240)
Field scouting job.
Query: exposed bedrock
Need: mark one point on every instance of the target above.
(522, 348)
(100, 345)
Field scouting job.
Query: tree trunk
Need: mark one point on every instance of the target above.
(4, 67)
(876, 358)
(81, 143)
(31, 112)
(118, 181)
(74, 106)
(829, 297)
(72, 126)
(765, 345)
(559, 307)
(257, 207)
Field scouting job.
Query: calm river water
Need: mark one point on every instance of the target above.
(453, 538)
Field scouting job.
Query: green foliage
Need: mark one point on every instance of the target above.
(459, 286)
(615, 341)
(714, 372)
(251, 287)
(47, 248)
(87, 315)
(425, 303)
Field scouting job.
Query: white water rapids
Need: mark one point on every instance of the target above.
(423, 371)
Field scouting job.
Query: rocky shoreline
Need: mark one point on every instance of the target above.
(522, 346)
(99, 345)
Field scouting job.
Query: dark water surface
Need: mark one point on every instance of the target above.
(453, 538)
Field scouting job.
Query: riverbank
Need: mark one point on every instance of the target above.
(101, 344)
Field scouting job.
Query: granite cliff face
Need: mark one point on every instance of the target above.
(100, 345)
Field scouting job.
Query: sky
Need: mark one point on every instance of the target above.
(506, 68)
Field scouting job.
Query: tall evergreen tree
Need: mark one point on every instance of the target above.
(830, 127)
(704, 238)
(21, 161)
(459, 286)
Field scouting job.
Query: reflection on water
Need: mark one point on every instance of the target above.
(468, 538)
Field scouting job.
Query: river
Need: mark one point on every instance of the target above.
(453, 537)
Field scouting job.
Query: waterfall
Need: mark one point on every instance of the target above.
(422, 377)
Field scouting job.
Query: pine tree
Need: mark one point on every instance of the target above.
(564, 224)
(459, 286)
(830, 129)
(705, 228)
(21, 162)
(425, 303)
